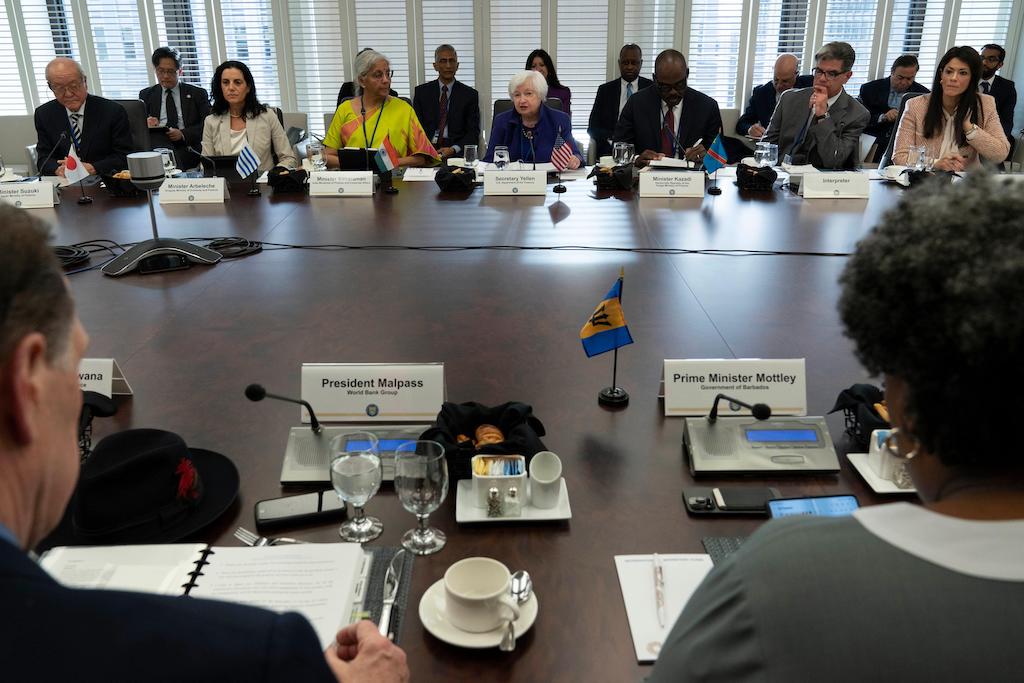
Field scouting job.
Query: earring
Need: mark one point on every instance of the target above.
(891, 445)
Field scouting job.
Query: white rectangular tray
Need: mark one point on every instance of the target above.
(877, 484)
(467, 511)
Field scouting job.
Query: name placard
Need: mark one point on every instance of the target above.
(35, 195)
(672, 183)
(104, 376)
(508, 182)
(346, 392)
(692, 384)
(835, 185)
(341, 184)
(193, 191)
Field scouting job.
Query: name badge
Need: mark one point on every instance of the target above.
(346, 392)
(193, 191)
(35, 195)
(341, 184)
(104, 376)
(672, 183)
(508, 182)
(835, 185)
(692, 384)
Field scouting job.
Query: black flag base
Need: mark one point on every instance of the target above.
(559, 188)
(715, 190)
(85, 199)
(613, 396)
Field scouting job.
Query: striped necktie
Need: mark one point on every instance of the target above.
(442, 137)
(629, 90)
(985, 85)
(76, 130)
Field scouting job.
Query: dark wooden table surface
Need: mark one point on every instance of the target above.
(505, 323)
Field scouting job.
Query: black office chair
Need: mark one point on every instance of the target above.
(887, 155)
(504, 104)
(136, 110)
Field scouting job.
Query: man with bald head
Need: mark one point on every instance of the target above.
(759, 109)
(668, 119)
(97, 127)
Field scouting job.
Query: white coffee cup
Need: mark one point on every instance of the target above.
(545, 479)
(477, 597)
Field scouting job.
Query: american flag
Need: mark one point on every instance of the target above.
(561, 152)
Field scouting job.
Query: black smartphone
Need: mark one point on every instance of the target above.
(737, 500)
(319, 506)
(822, 506)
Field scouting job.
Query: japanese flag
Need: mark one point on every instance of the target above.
(74, 169)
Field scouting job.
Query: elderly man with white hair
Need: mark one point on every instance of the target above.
(530, 130)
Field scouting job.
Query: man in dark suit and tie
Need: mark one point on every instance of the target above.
(882, 99)
(52, 632)
(669, 119)
(179, 107)
(98, 127)
(611, 98)
(821, 125)
(448, 110)
(1003, 90)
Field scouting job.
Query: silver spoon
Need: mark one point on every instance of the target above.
(520, 587)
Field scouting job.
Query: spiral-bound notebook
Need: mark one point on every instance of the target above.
(325, 582)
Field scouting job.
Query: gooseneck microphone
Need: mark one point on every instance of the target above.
(256, 392)
(761, 411)
(528, 134)
(202, 158)
(63, 136)
(366, 139)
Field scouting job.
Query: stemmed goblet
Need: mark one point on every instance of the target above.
(421, 480)
(356, 475)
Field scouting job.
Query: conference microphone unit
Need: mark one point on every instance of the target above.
(760, 411)
(256, 392)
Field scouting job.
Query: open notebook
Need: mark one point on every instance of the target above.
(322, 581)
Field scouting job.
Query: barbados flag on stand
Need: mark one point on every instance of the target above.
(387, 157)
(606, 329)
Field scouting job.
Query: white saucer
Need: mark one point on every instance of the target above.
(877, 484)
(467, 511)
(432, 615)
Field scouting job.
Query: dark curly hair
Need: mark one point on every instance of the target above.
(252, 107)
(935, 296)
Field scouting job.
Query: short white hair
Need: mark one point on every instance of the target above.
(363, 63)
(531, 78)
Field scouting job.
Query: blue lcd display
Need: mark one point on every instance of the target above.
(383, 446)
(782, 435)
(825, 506)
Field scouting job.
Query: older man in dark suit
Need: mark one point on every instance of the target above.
(448, 110)
(882, 99)
(1003, 90)
(112, 635)
(179, 107)
(668, 119)
(97, 127)
(821, 125)
(611, 98)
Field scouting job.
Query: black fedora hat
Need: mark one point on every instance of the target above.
(146, 486)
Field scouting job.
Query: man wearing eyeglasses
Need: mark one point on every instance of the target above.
(883, 97)
(97, 127)
(178, 107)
(669, 119)
(1002, 89)
(821, 125)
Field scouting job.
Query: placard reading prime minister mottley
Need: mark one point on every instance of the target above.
(692, 384)
(349, 392)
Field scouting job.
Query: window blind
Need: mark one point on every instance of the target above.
(781, 28)
(915, 29)
(983, 21)
(649, 24)
(12, 96)
(249, 38)
(183, 25)
(121, 59)
(714, 48)
(581, 55)
(381, 24)
(852, 21)
(515, 33)
(451, 22)
(318, 51)
(50, 32)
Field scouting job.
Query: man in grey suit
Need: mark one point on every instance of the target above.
(821, 125)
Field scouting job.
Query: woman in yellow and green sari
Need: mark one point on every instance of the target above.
(385, 117)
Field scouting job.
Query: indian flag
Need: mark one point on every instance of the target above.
(387, 157)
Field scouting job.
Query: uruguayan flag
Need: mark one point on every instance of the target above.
(247, 162)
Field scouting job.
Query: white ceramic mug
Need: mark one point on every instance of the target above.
(477, 597)
(545, 480)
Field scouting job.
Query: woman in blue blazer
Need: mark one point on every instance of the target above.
(530, 120)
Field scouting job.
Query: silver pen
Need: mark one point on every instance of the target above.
(659, 589)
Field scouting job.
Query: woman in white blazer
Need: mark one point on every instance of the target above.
(237, 117)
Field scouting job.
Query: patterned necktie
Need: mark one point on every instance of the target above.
(172, 111)
(668, 135)
(629, 90)
(443, 123)
(76, 130)
(985, 85)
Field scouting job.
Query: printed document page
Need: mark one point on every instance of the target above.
(162, 569)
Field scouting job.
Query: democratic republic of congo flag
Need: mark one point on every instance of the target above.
(606, 329)
(716, 156)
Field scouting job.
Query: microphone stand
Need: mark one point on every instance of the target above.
(84, 199)
(254, 190)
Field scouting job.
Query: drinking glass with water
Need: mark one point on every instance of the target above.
(501, 157)
(356, 475)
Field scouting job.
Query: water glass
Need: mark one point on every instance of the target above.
(501, 157)
(920, 158)
(620, 153)
(170, 165)
(356, 475)
(421, 480)
(772, 157)
(471, 154)
(3, 168)
(315, 154)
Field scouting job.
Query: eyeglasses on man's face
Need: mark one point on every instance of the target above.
(166, 72)
(991, 59)
(69, 89)
(828, 75)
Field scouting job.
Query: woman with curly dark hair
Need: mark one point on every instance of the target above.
(933, 300)
(238, 117)
(540, 61)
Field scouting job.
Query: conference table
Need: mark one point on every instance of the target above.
(501, 306)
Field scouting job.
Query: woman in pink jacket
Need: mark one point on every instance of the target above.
(956, 124)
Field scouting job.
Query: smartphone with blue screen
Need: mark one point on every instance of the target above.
(818, 506)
